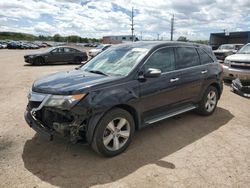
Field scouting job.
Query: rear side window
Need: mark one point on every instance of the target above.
(186, 57)
(204, 57)
(162, 59)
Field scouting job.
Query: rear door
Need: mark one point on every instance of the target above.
(69, 54)
(56, 55)
(191, 73)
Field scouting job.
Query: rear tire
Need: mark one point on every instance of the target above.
(77, 60)
(209, 102)
(113, 133)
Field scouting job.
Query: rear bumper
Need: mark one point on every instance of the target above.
(232, 73)
(37, 126)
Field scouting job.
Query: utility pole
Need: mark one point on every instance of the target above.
(172, 28)
(132, 24)
(141, 35)
(158, 36)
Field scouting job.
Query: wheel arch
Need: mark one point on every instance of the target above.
(40, 57)
(218, 88)
(132, 112)
(95, 119)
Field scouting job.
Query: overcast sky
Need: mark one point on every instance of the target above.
(194, 19)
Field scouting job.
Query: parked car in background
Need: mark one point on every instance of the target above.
(3, 44)
(238, 65)
(225, 50)
(98, 49)
(126, 87)
(13, 45)
(57, 55)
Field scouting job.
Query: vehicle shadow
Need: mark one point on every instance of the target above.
(65, 165)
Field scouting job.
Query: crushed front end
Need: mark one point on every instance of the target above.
(51, 115)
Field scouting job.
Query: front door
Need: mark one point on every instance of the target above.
(157, 95)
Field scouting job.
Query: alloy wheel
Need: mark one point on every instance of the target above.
(116, 134)
(211, 101)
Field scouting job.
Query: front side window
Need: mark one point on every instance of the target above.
(58, 50)
(116, 61)
(186, 57)
(162, 59)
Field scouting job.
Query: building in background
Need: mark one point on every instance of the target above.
(241, 37)
(117, 39)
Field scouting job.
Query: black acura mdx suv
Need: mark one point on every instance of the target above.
(123, 89)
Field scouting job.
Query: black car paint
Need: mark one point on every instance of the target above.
(142, 97)
(50, 57)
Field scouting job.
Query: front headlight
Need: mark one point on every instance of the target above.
(227, 62)
(62, 101)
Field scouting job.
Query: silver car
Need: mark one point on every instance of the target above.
(238, 65)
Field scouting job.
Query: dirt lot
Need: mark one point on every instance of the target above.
(185, 151)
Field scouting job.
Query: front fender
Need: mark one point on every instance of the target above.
(97, 103)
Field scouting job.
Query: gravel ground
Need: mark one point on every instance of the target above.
(185, 151)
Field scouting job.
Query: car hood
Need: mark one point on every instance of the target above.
(35, 54)
(69, 82)
(239, 57)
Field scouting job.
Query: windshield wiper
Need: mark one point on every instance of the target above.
(97, 72)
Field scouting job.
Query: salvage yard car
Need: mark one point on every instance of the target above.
(57, 55)
(225, 50)
(99, 49)
(125, 88)
(238, 65)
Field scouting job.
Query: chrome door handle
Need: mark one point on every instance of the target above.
(174, 79)
(204, 72)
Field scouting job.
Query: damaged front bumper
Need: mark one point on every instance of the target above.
(51, 121)
(37, 126)
(242, 89)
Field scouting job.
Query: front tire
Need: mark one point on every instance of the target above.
(39, 61)
(209, 102)
(113, 133)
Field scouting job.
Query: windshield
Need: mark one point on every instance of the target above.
(245, 49)
(226, 47)
(116, 61)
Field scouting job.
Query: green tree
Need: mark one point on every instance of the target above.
(57, 38)
(182, 38)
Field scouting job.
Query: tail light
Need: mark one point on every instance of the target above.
(221, 66)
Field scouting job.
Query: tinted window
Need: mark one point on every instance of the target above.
(69, 50)
(186, 57)
(162, 59)
(58, 50)
(204, 58)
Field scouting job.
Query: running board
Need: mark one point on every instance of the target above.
(154, 120)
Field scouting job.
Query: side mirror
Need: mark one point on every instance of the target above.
(152, 73)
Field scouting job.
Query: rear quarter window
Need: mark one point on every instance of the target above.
(204, 57)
